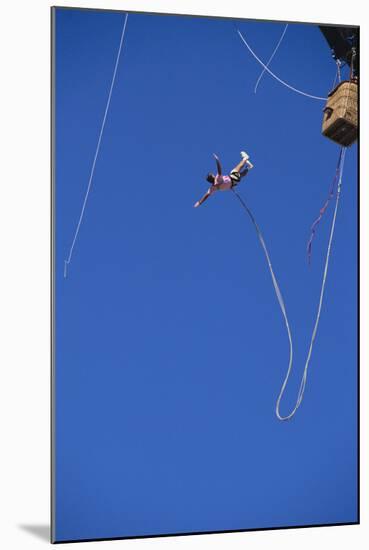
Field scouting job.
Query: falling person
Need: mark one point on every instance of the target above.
(224, 183)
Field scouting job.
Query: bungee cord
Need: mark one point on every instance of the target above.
(302, 386)
(68, 260)
(271, 58)
(274, 75)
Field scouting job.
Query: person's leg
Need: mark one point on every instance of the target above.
(236, 177)
(203, 199)
(246, 157)
(240, 165)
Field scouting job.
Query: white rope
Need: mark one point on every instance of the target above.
(339, 70)
(282, 305)
(337, 75)
(67, 262)
(271, 58)
(275, 76)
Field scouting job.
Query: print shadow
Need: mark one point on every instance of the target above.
(40, 531)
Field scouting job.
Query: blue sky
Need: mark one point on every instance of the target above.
(170, 346)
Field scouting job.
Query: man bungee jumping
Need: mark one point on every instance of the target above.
(224, 183)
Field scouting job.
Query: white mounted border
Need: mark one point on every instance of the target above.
(25, 263)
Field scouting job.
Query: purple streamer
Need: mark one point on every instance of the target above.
(324, 208)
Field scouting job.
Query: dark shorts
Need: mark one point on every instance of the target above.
(235, 177)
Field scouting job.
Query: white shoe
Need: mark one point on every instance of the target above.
(244, 155)
(249, 164)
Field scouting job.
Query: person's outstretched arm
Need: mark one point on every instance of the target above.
(203, 199)
(219, 166)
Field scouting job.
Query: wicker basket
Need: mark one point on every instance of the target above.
(340, 114)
